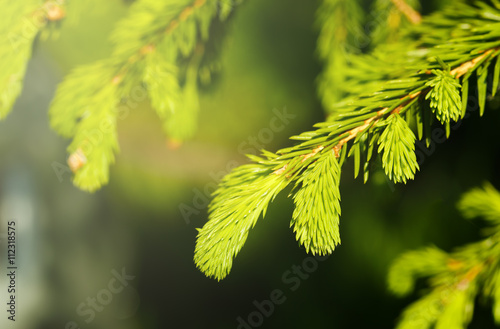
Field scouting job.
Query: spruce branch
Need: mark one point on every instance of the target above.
(235, 200)
(20, 23)
(457, 278)
(408, 99)
(158, 48)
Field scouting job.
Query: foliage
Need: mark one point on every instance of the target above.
(456, 279)
(383, 89)
(345, 33)
(244, 201)
(158, 51)
(397, 144)
(20, 23)
(340, 36)
(402, 87)
(316, 215)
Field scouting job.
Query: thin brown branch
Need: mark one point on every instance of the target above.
(313, 153)
(413, 16)
(465, 67)
(353, 133)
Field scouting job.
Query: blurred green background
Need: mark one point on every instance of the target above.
(69, 241)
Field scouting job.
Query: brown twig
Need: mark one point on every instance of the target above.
(465, 67)
(413, 16)
(353, 133)
(313, 153)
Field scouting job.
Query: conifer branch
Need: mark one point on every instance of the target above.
(455, 279)
(427, 82)
(158, 45)
(20, 23)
